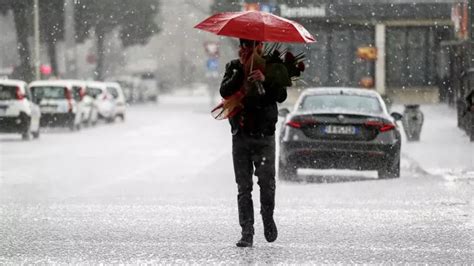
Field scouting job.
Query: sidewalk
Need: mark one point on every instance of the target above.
(443, 149)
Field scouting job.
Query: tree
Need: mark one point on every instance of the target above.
(51, 25)
(22, 10)
(52, 28)
(136, 20)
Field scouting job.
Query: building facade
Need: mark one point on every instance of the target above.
(407, 35)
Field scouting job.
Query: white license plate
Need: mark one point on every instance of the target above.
(342, 130)
(48, 109)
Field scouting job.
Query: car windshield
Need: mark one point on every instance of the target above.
(49, 92)
(7, 92)
(340, 103)
(76, 93)
(113, 91)
(94, 92)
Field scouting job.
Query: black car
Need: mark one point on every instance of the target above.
(339, 128)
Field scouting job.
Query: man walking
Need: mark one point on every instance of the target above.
(253, 141)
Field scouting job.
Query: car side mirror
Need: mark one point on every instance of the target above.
(396, 116)
(283, 112)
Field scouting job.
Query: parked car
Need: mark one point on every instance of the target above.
(339, 128)
(149, 87)
(103, 100)
(129, 85)
(57, 104)
(118, 98)
(19, 113)
(84, 102)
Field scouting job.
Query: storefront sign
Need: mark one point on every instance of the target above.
(302, 12)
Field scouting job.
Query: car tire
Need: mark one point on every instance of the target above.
(86, 122)
(471, 131)
(26, 135)
(416, 137)
(36, 134)
(287, 171)
(390, 171)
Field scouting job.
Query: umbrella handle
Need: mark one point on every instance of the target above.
(260, 88)
(251, 58)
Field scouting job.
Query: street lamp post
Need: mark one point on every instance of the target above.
(36, 39)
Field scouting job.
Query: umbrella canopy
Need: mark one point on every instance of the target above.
(256, 25)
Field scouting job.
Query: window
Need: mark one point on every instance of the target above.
(49, 92)
(340, 103)
(93, 92)
(113, 91)
(76, 93)
(7, 92)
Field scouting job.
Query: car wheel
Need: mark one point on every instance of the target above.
(87, 122)
(391, 171)
(471, 133)
(26, 135)
(287, 171)
(36, 134)
(416, 137)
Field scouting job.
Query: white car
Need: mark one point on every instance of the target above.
(85, 103)
(149, 87)
(18, 111)
(116, 91)
(129, 85)
(103, 100)
(57, 104)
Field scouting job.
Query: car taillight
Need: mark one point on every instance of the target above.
(300, 123)
(380, 126)
(294, 124)
(82, 93)
(18, 94)
(68, 98)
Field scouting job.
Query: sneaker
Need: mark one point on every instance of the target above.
(269, 229)
(246, 241)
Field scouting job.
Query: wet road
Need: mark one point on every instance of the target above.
(159, 188)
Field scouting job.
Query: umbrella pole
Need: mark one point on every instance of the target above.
(260, 88)
(251, 58)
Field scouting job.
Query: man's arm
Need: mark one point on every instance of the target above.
(233, 79)
(276, 93)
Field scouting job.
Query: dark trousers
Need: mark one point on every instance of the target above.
(249, 153)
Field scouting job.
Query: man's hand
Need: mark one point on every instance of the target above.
(256, 75)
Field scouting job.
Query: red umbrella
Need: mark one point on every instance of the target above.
(256, 25)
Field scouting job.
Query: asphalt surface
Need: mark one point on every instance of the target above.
(159, 188)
